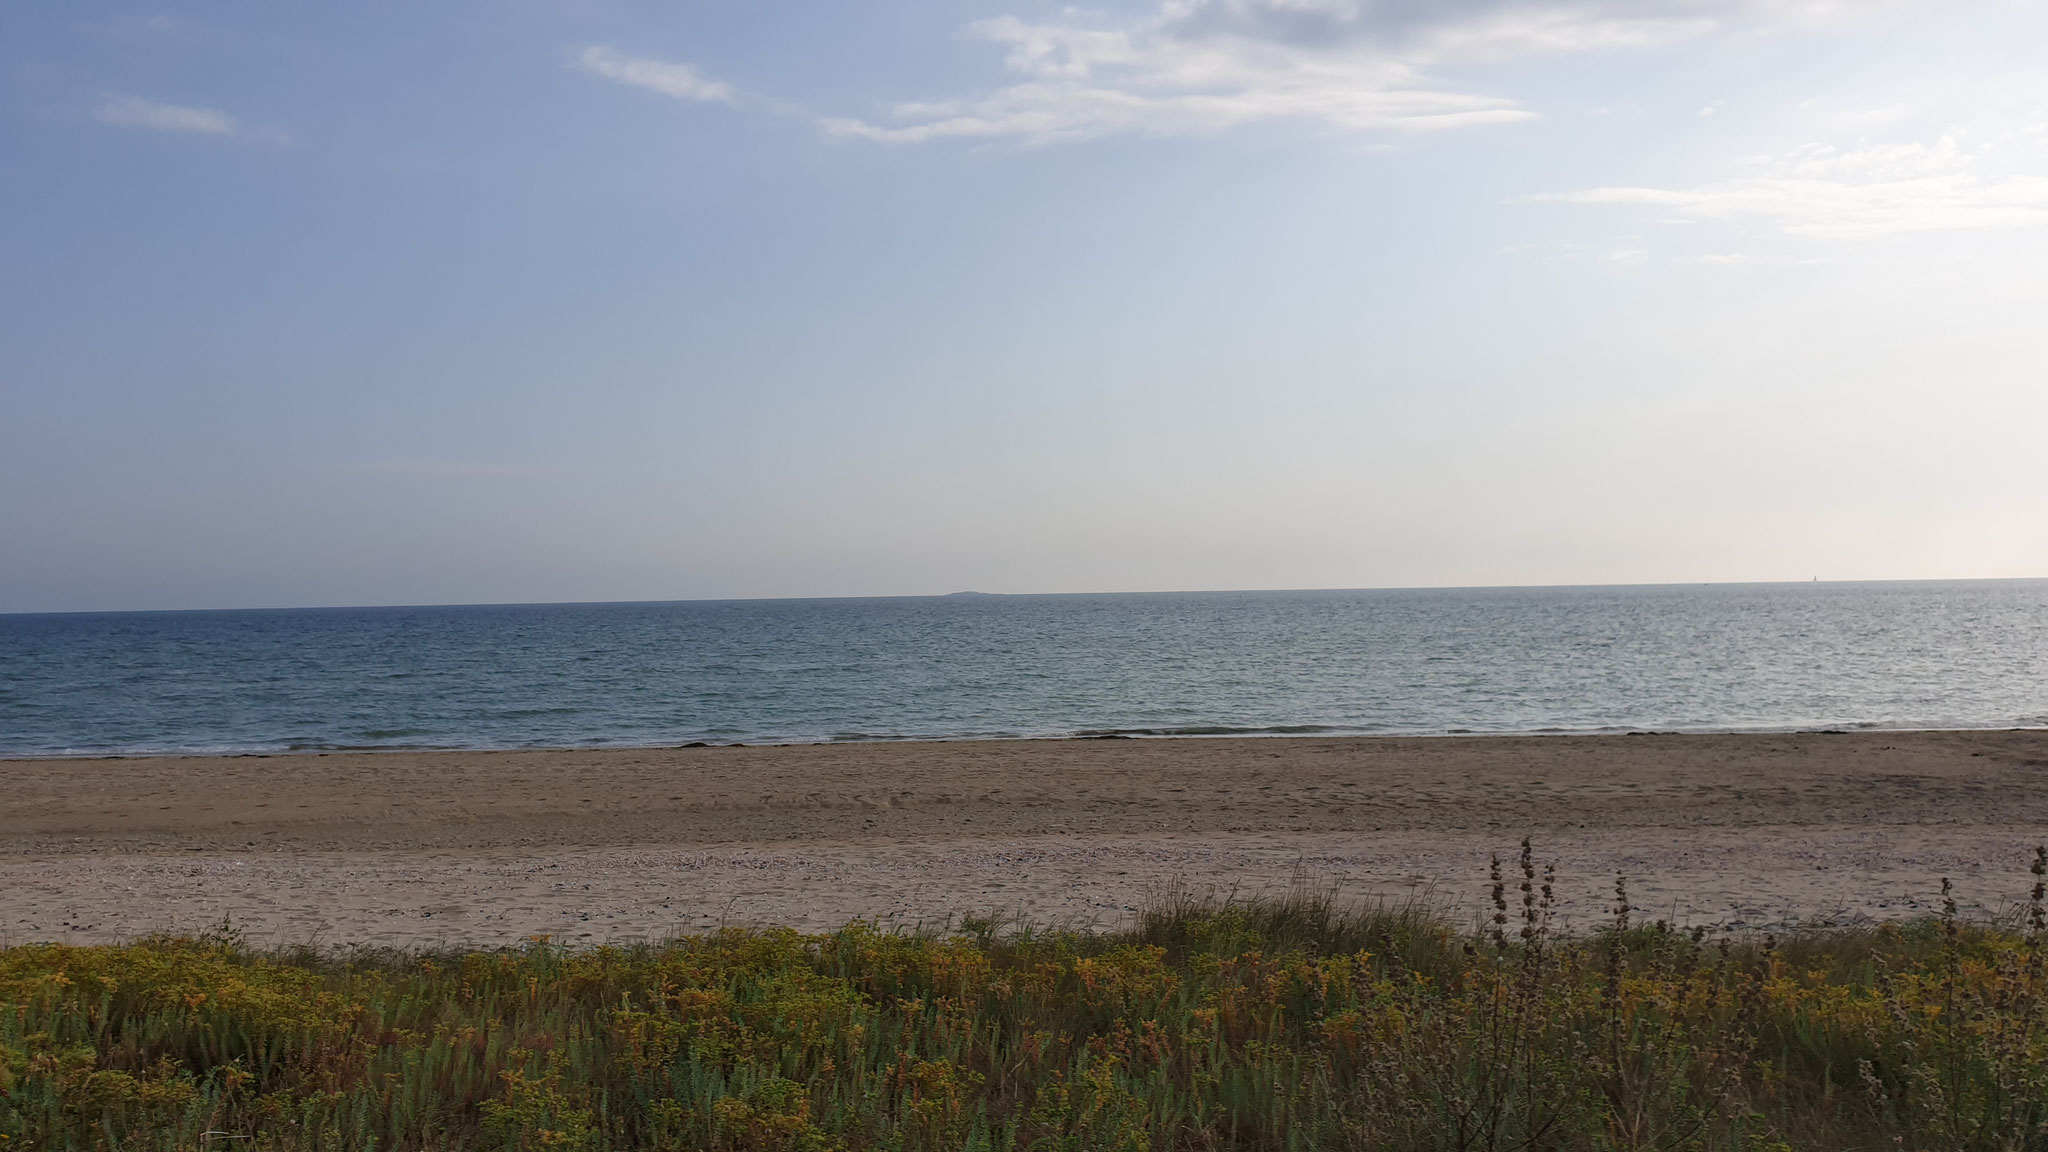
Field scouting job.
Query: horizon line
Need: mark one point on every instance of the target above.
(967, 594)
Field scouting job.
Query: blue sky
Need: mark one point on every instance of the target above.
(387, 303)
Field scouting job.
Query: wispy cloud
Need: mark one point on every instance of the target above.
(681, 81)
(1192, 67)
(136, 112)
(1824, 191)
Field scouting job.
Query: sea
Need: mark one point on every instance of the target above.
(1950, 654)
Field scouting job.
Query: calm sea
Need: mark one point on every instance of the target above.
(1947, 654)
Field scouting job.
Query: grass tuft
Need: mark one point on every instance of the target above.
(1294, 1021)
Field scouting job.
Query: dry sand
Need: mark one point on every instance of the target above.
(432, 848)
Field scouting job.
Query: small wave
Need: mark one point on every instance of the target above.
(1214, 730)
(384, 746)
(728, 737)
(123, 751)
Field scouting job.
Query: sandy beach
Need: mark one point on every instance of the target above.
(482, 848)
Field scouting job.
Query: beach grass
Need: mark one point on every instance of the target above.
(1283, 1022)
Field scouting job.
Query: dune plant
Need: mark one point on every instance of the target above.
(1292, 1021)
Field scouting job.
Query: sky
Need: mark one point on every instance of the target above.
(528, 301)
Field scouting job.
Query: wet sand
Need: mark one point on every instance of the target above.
(433, 848)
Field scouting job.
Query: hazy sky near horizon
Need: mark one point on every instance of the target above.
(399, 303)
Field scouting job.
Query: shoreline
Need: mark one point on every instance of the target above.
(407, 847)
(1308, 733)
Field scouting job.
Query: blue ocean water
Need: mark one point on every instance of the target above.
(1776, 656)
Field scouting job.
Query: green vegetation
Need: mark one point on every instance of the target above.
(1276, 1024)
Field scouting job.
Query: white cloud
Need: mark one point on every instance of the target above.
(1825, 191)
(1191, 67)
(678, 80)
(136, 112)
